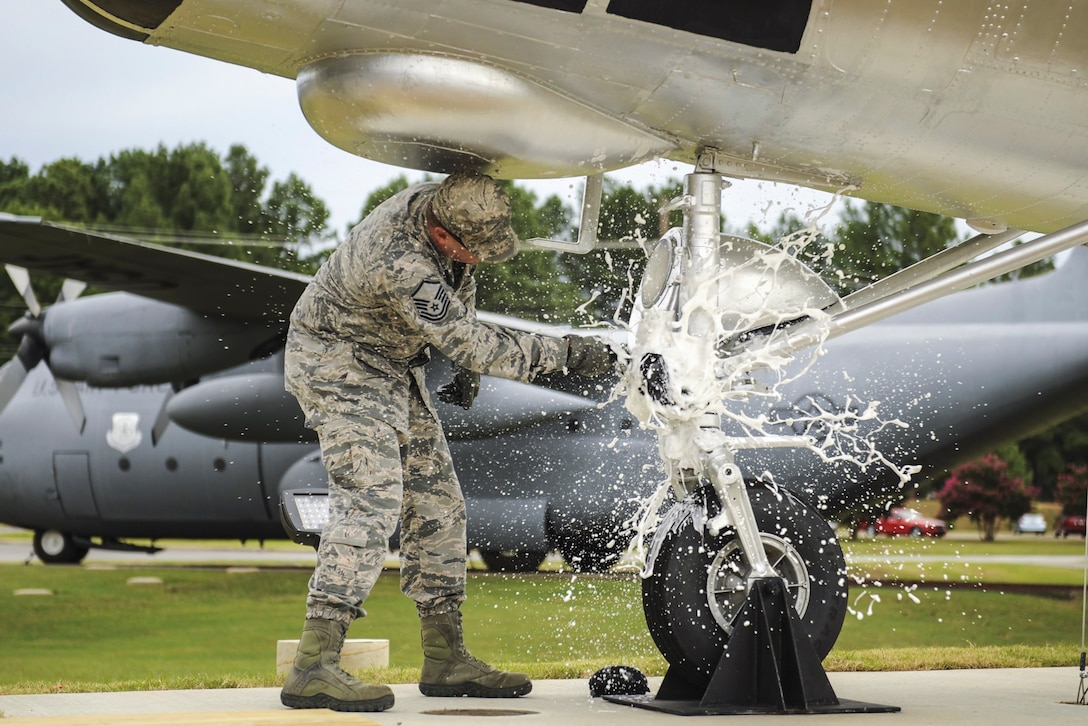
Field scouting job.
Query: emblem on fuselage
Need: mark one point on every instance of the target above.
(125, 434)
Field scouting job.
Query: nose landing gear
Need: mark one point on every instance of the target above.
(739, 643)
(747, 585)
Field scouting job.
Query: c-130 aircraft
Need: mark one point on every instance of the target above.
(183, 428)
(557, 465)
(971, 109)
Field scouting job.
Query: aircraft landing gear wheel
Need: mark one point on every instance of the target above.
(700, 583)
(54, 547)
(512, 561)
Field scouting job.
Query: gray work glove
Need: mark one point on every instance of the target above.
(462, 390)
(590, 357)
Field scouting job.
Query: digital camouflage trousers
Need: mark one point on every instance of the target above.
(377, 475)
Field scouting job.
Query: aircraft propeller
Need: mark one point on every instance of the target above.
(33, 348)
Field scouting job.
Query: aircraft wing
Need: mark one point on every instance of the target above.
(210, 286)
(969, 109)
(205, 284)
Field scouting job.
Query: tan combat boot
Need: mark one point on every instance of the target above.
(316, 679)
(450, 670)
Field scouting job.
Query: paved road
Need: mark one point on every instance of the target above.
(281, 554)
(1071, 561)
(250, 554)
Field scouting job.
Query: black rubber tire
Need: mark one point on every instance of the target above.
(512, 561)
(678, 611)
(54, 547)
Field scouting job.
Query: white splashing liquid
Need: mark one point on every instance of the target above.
(717, 367)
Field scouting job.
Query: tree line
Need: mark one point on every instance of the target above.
(193, 198)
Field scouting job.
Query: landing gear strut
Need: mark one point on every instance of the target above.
(746, 591)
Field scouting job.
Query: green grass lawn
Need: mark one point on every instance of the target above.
(214, 627)
(211, 628)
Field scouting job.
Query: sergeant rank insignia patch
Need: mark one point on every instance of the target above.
(431, 300)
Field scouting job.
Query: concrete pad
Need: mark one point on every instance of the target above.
(1011, 697)
(210, 718)
(355, 655)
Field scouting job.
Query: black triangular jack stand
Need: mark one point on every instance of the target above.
(768, 667)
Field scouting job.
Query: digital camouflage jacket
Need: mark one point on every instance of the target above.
(362, 328)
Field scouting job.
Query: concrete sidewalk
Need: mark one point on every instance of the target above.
(948, 698)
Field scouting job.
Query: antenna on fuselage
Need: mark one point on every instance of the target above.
(587, 228)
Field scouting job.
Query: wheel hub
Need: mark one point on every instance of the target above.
(53, 542)
(729, 578)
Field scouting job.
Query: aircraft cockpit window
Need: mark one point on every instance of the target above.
(570, 6)
(771, 24)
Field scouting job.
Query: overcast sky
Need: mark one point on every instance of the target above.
(72, 90)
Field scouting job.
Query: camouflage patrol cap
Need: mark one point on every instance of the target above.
(476, 210)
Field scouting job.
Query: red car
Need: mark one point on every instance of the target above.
(1068, 524)
(903, 520)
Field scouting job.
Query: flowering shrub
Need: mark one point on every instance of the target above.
(1072, 489)
(985, 491)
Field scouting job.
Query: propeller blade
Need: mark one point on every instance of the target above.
(162, 420)
(26, 357)
(70, 395)
(71, 289)
(28, 331)
(32, 345)
(12, 375)
(21, 278)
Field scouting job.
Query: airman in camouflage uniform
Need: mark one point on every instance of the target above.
(401, 283)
